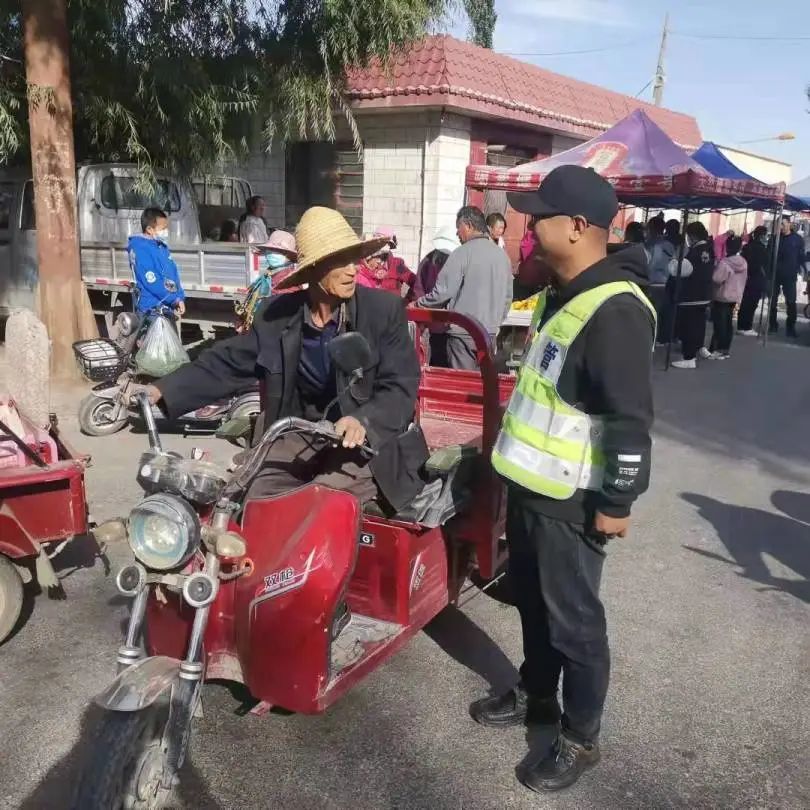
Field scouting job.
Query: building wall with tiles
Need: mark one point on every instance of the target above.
(414, 166)
(413, 178)
(265, 173)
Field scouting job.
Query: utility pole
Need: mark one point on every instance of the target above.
(660, 76)
(62, 301)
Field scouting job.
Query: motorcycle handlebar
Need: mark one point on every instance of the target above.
(145, 405)
(324, 429)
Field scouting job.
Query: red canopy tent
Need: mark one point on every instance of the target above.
(645, 167)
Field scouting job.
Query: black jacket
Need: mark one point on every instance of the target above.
(790, 257)
(697, 286)
(384, 400)
(607, 373)
(757, 255)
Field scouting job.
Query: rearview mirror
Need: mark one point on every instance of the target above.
(350, 352)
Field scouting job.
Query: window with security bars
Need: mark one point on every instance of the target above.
(327, 174)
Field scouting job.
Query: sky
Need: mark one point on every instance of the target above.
(729, 64)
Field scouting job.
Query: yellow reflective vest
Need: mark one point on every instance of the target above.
(545, 444)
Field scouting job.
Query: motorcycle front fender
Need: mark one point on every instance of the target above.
(140, 685)
(106, 390)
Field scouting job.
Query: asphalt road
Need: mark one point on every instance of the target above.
(708, 605)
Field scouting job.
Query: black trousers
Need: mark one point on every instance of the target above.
(723, 320)
(555, 574)
(748, 306)
(691, 325)
(787, 286)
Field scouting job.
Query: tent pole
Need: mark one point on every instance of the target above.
(775, 236)
(677, 291)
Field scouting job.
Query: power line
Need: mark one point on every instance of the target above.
(644, 88)
(685, 34)
(740, 38)
(567, 53)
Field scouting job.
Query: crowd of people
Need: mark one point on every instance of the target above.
(718, 276)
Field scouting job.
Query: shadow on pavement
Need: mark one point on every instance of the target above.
(462, 639)
(58, 787)
(82, 552)
(751, 407)
(748, 534)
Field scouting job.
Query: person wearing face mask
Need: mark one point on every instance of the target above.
(279, 255)
(755, 254)
(288, 349)
(157, 279)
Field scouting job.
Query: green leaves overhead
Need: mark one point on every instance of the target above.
(186, 84)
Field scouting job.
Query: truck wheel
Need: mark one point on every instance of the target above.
(96, 416)
(11, 597)
(126, 762)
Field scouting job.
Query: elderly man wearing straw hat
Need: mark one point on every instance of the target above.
(287, 349)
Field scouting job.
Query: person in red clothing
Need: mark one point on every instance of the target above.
(384, 271)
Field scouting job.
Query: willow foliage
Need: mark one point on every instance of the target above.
(186, 84)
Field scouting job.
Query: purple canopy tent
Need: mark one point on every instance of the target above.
(644, 166)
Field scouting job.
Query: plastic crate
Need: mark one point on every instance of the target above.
(100, 359)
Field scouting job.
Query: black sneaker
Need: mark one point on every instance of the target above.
(791, 333)
(514, 708)
(562, 766)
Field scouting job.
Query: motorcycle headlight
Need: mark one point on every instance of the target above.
(164, 532)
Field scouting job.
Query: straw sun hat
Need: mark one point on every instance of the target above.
(323, 235)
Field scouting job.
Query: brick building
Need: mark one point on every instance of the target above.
(439, 107)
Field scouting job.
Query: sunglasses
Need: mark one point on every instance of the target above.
(538, 217)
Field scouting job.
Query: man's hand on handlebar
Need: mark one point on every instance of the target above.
(180, 308)
(153, 393)
(351, 430)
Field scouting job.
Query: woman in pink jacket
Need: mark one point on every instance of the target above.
(729, 284)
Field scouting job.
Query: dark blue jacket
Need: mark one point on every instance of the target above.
(155, 272)
(790, 258)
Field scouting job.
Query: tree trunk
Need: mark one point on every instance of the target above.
(62, 299)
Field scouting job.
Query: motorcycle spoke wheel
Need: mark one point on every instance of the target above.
(96, 417)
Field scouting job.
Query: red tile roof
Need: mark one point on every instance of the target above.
(444, 71)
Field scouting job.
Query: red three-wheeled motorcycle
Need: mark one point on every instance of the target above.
(298, 596)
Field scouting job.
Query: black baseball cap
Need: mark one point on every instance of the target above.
(571, 191)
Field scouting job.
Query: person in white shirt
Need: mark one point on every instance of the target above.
(496, 225)
(252, 227)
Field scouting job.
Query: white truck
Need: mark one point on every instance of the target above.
(109, 209)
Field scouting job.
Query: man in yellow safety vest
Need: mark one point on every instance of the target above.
(574, 450)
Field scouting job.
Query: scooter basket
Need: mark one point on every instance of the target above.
(99, 359)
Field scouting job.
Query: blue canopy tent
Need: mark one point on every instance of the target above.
(713, 160)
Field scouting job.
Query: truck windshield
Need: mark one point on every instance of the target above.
(121, 192)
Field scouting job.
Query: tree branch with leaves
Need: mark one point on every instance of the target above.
(187, 84)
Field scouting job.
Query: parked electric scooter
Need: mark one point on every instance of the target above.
(108, 408)
(297, 596)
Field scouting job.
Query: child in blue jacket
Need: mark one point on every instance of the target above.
(156, 275)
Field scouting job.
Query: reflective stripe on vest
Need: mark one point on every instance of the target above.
(545, 444)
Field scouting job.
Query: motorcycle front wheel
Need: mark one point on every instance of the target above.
(126, 763)
(97, 416)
